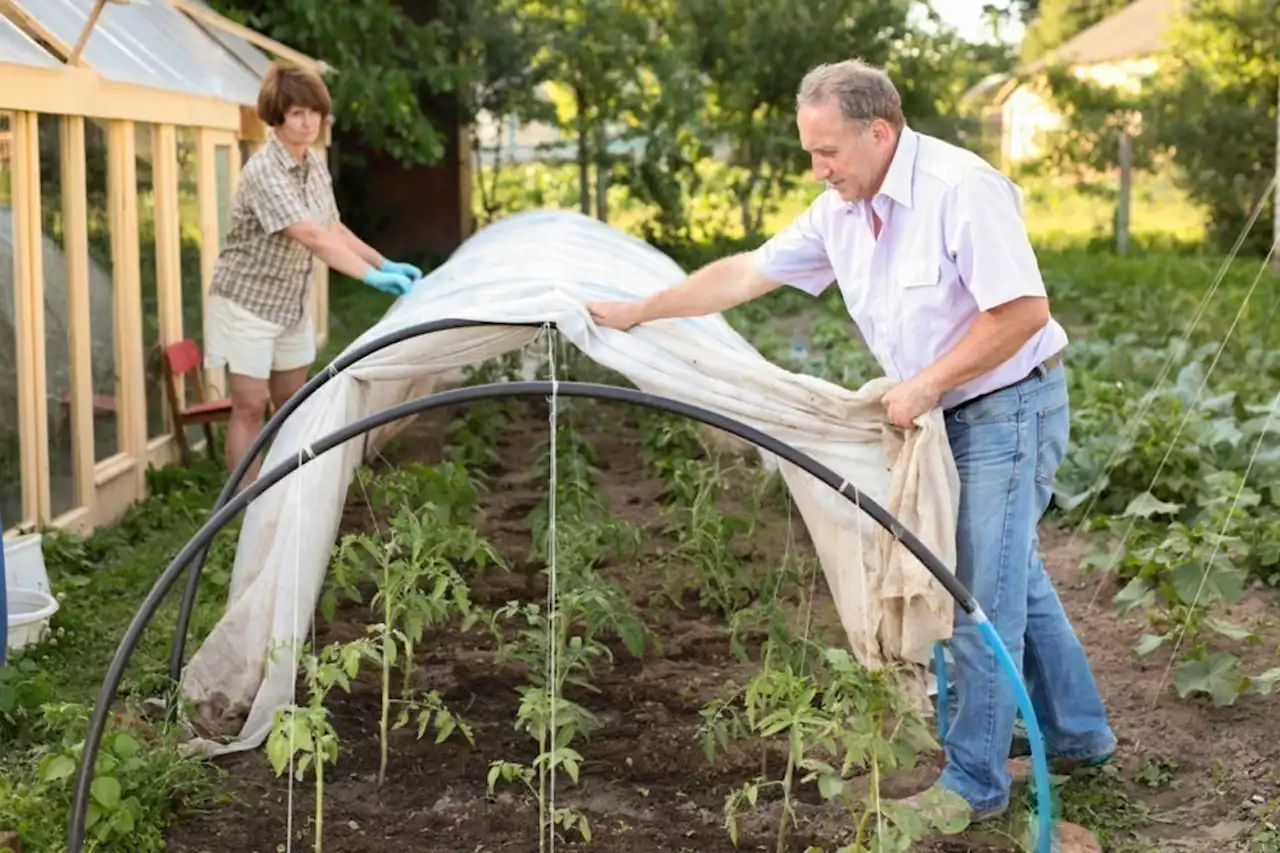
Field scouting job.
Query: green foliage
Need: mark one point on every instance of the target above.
(590, 53)
(139, 775)
(387, 66)
(1094, 118)
(1210, 110)
(753, 56)
(1215, 107)
(838, 723)
(1054, 22)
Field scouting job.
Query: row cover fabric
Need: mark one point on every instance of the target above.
(542, 267)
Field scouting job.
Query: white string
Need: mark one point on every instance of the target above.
(1135, 423)
(1217, 545)
(1118, 553)
(293, 645)
(813, 577)
(552, 591)
(813, 573)
(1208, 566)
(866, 630)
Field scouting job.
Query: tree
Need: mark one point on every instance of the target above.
(754, 55)
(1094, 117)
(1053, 22)
(591, 55)
(389, 65)
(497, 77)
(1215, 110)
(934, 69)
(665, 119)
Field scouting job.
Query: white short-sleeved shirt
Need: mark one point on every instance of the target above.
(953, 244)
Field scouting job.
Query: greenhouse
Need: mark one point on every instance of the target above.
(123, 127)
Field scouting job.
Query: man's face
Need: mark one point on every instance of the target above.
(850, 158)
(301, 126)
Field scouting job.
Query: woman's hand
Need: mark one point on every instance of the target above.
(387, 282)
(409, 271)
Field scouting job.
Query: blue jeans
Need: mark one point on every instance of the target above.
(1008, 446)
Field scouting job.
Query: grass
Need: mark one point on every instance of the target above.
(48, 692)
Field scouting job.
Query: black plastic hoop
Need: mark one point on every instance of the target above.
(457, 396)
(186, 607)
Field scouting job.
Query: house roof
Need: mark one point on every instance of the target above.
(1136, 30)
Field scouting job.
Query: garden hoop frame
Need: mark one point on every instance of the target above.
(228, 508)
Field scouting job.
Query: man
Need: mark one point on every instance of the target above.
(928, 247)
(258, 320)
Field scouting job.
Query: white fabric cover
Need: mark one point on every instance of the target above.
(542, 267)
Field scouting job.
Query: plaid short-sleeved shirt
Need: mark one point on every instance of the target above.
(260, 268)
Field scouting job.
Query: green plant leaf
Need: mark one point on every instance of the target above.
(1217, 676)
(1194, 583)
(830, 786)
(106, 792)
(56, 767)
(1228, 629)
(125, 746)
(1266, 682)
(1146, 505)
(1149, 643)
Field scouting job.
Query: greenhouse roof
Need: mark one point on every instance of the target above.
(178, 45)
(19, 48)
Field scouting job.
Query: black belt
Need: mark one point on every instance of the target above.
(1040, 369)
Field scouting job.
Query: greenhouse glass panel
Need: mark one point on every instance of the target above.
(257, 61)
(151, 45)
(18, 48)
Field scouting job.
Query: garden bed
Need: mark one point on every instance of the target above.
(1189, 776)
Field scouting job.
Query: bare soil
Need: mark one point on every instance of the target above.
(1188, 777)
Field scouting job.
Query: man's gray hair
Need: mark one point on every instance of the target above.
(863, 91)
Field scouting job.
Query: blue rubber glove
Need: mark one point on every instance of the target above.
(387, 282)
(409, 271)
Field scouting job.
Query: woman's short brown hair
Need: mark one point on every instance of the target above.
(288, 86)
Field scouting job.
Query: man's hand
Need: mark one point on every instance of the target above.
(616, 315)
(909, 400)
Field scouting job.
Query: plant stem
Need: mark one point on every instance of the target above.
(319, 797)
(786, 799)
(386, 670)
(542, 793)
(408, 668)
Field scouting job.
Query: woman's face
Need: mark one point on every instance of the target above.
(301, 126)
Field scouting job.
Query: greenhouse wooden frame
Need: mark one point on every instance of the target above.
(41, 92)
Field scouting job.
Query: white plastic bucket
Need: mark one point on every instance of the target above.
(24, 563)
(29, 613)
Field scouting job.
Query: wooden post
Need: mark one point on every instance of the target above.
(131, 395)
(602, 174)
(1122, 204)
(28, 305)
(76, 245)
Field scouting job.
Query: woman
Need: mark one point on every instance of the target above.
(258, 320)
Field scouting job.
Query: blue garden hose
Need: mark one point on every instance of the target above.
(944, 689)
(1039, 760)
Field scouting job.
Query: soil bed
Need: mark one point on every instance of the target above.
(646, 784)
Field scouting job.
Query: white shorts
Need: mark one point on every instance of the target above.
(251, 346)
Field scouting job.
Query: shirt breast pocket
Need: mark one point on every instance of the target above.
(915, 275)
(921, 300)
